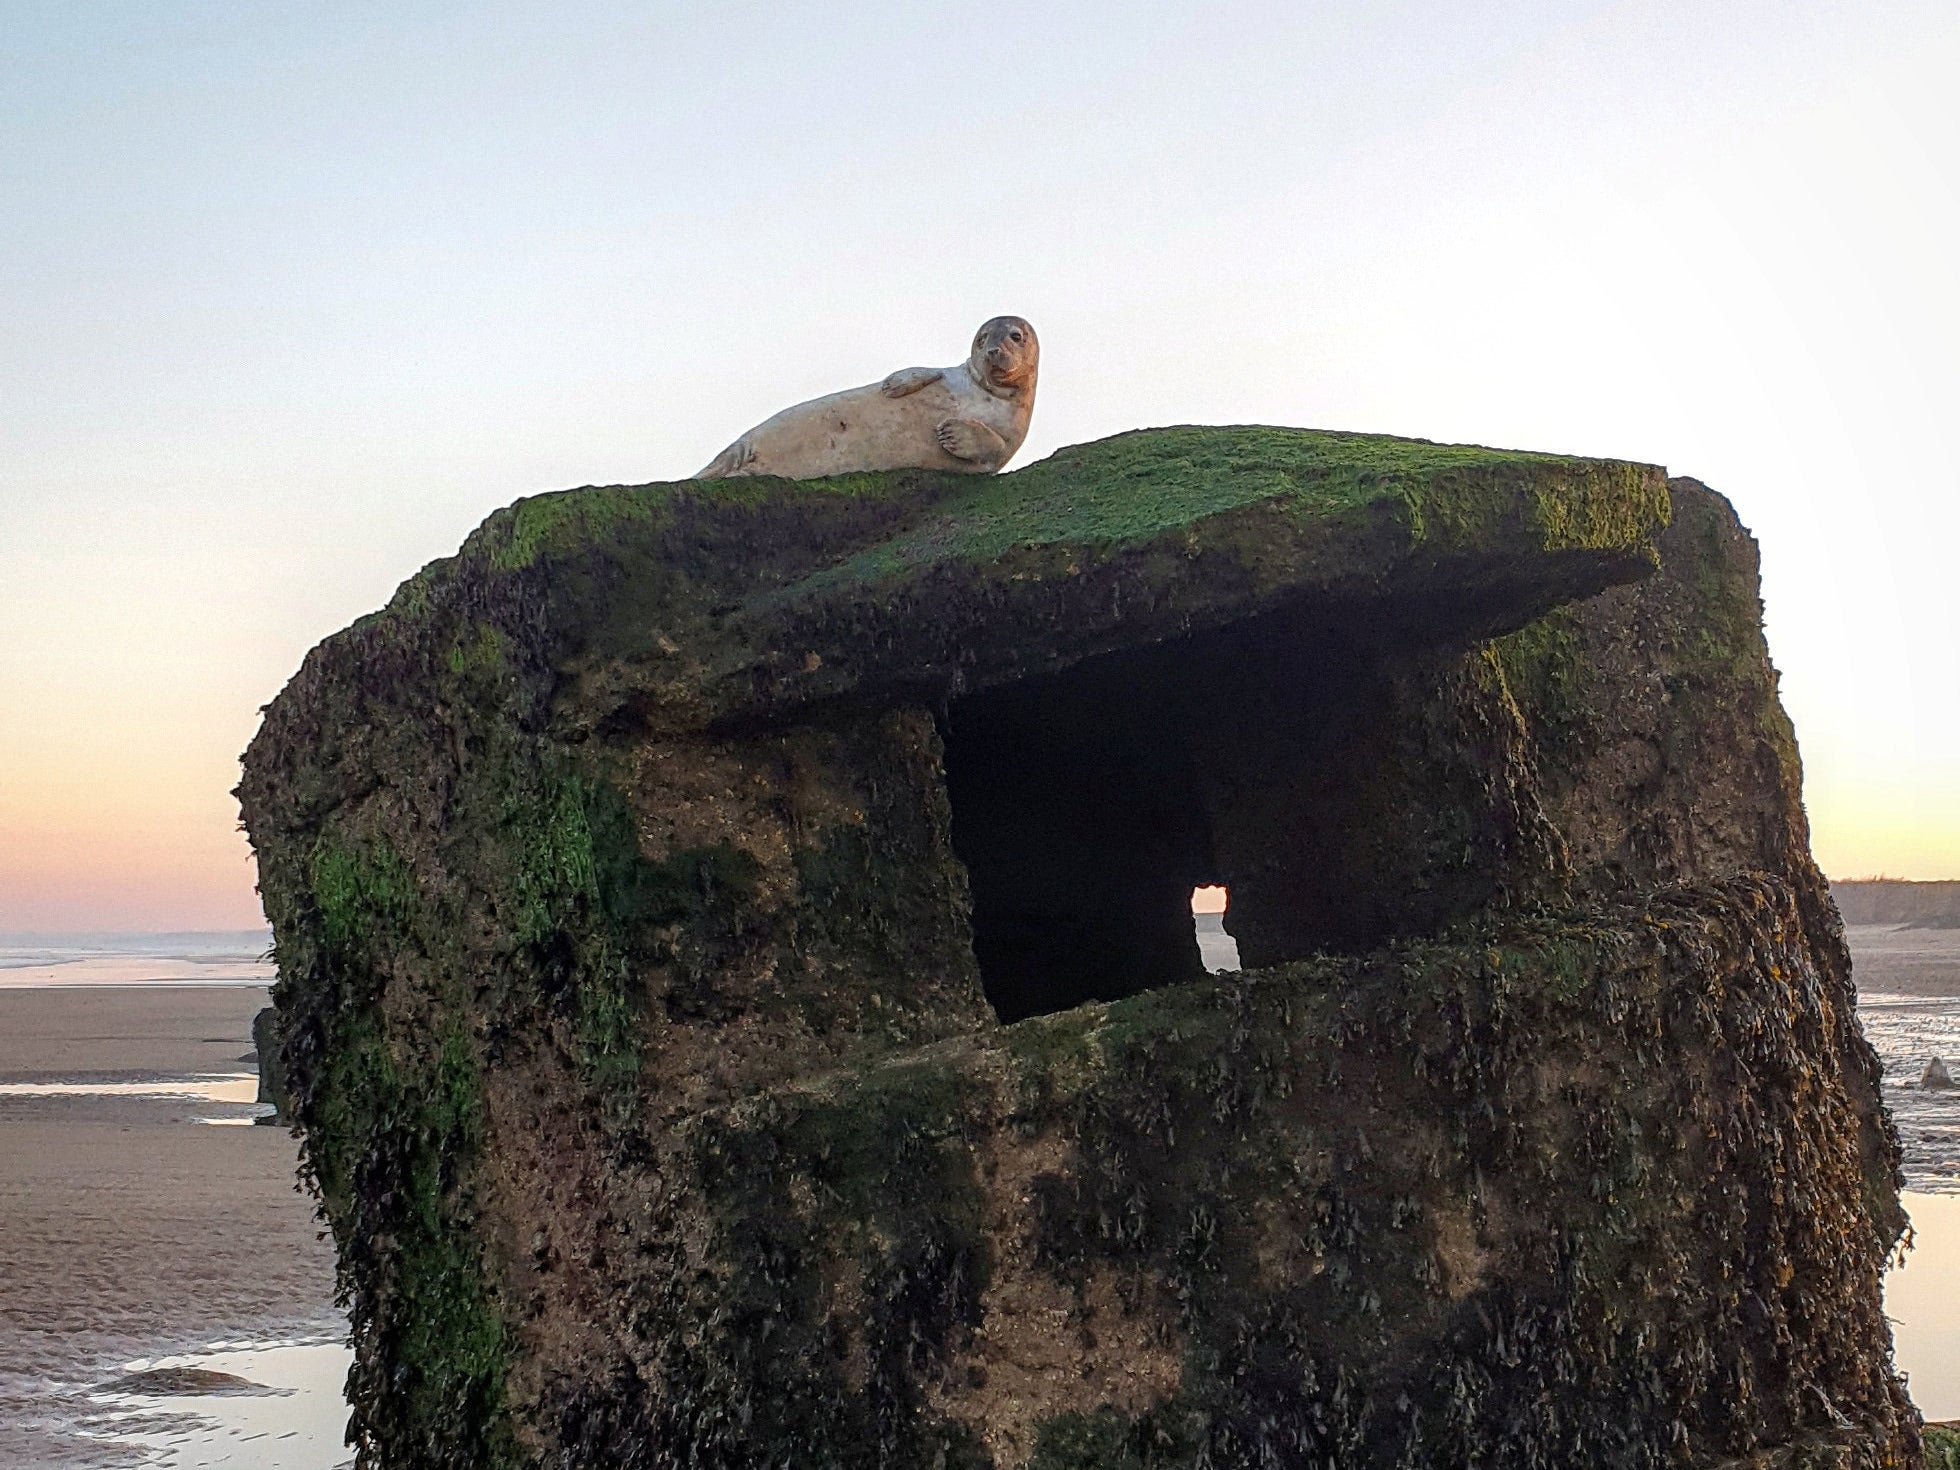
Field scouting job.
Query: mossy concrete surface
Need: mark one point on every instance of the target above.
(648, 878)
(699, 603)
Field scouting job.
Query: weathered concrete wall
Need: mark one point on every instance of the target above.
(643, 876)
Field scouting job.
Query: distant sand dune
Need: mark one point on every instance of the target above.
(1895, 901)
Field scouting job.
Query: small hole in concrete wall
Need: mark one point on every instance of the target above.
(1210, 904)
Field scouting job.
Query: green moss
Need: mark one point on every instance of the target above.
(415, 597)
(1135, 486)
(567, 521)
(1723, 654)
(1505, 1196)
(340, 1113)
(363, 893)
(1052, 1056)
(1547, 672)
(1062, 1041)
(557, 869)
(581, 857)
(392, 1125)
(1942, 1448)
(754, 490)
(903, 1113)
(1569, 504)
(1534, 1050)
(1139, 487)
(593, 912)
(576, 852)
(413, 1132)
(481, 656)
(452, 1341)
(1104, 1440)
(515, 537)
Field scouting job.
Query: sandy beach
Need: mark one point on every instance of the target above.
(129, 1226)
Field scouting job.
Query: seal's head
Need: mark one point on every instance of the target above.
(1005, 357)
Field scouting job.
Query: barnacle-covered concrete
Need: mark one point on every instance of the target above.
(741, 1009)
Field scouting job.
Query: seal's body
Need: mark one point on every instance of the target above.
(971, 417)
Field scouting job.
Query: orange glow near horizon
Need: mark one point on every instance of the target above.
(131, 870)
(93, 839)
(116, 813)
(1874, 830)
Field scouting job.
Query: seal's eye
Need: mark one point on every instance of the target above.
(1015, 336)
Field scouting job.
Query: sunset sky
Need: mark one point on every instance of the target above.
(294, 295)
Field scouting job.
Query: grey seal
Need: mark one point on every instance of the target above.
(969, 417)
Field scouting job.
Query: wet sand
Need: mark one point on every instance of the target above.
(130, 1230)
(1897, 961)
(128, 1227)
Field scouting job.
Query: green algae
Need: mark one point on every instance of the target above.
(449, 1342)
(1137, 486)
(1140, 487)
(364, 894)
(558, 869)
(481, 657)
(514, 538)
(1547, 672)
(1315, 1096)
(1725, 650)
(741, 596)
(565, 522)
(391, 1122)
(1171, 1161)
(593, 910)
(1103, 1440)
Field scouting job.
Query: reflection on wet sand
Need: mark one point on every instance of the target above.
(273, 1406)
(231, 1089)
(1922, 1298)
(1909, 1004)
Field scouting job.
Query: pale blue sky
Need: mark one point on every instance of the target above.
(292, 295)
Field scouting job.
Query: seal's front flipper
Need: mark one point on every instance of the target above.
(910, 380)
(730, 461)
(973, 441)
